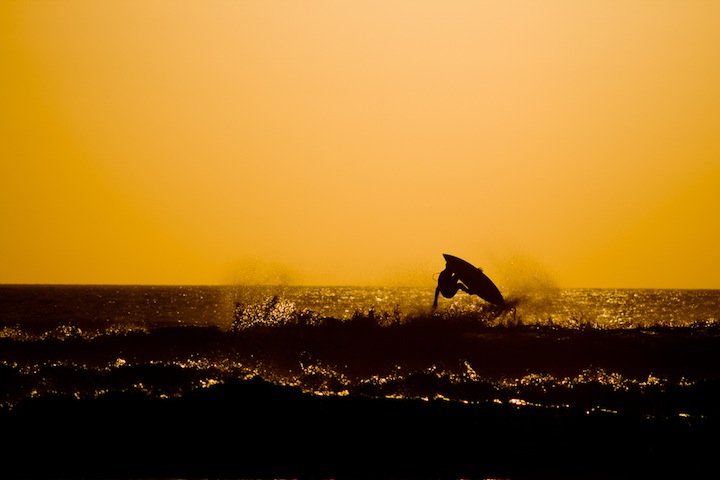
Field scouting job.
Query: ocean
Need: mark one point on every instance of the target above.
(329, 382)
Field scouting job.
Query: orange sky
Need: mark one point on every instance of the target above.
(354, 142)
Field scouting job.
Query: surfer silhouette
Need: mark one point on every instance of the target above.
(448, 285)
(461, 275)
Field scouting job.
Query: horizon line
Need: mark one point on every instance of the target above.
(280, 285)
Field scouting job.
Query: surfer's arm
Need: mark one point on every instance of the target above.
(437, 292)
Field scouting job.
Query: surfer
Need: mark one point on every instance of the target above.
(461, 275)
(448, 285)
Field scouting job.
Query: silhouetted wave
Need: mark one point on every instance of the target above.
(282, 388)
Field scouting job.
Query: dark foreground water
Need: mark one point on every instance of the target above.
(273, 382)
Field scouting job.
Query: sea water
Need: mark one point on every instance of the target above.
(345, 382)
(588, 350)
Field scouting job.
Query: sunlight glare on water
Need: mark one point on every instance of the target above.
(591, 350)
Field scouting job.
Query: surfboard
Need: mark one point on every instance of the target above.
(477, 282)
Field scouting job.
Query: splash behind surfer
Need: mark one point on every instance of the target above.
(448, 285)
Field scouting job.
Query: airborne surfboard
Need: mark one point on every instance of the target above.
(477, 282)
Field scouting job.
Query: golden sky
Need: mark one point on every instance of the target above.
(333, 142)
